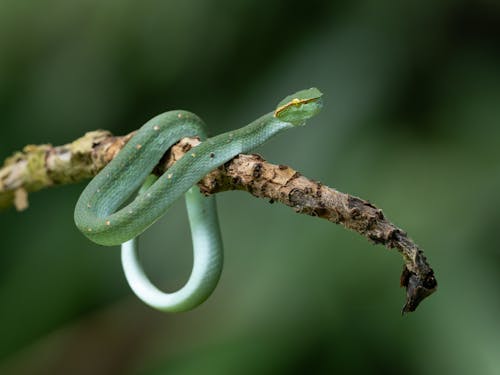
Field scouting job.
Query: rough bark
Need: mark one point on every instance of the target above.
(41, 166)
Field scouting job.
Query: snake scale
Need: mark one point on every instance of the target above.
(102, 215)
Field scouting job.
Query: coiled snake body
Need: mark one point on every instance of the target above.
(100, 216)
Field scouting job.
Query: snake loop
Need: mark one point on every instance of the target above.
(100, 216)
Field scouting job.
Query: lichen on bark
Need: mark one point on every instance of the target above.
(40, 166)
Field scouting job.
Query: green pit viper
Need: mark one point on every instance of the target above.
(101, 216)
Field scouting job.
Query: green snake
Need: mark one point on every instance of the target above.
(101, 215)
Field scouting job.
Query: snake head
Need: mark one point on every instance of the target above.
(299, 107)
(417, 288)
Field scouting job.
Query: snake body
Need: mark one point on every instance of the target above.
(100, 216)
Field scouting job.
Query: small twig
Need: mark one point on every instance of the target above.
(41, 166)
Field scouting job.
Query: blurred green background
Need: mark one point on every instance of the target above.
(411, 122)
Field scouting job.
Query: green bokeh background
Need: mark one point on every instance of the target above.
(411, 122)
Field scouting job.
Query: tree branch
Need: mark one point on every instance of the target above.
(41, 166)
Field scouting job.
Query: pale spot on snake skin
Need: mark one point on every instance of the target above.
(137, 219)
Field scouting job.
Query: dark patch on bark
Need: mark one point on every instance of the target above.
(186, 147)
(418, 287)
(236, 180)
(257, 170)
